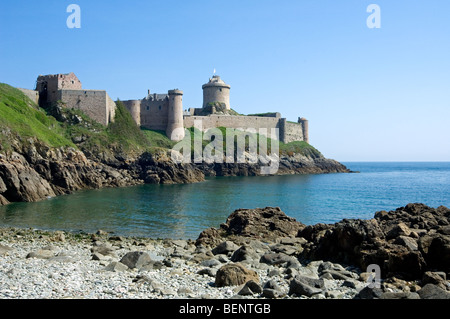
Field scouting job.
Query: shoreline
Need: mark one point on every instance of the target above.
(278, 262)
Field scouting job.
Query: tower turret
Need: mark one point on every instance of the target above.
(305, 128)
(134, 107)
(175, 127)
(216, 91)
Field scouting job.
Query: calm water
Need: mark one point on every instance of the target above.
(183, 211)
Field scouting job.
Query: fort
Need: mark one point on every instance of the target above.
(164, 112)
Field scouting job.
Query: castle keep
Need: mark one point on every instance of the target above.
(66, 88)
(164, 112)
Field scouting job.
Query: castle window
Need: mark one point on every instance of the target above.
(148, 108)
(220, 90)
(160, 107)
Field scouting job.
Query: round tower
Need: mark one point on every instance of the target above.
(175, 125)
(305, 128)
(216, 90)
(134, 107)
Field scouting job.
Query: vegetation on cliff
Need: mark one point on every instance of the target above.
(19, 115)
(58, 126)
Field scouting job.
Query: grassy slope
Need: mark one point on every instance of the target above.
(23, 117)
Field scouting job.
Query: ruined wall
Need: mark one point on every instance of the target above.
(94, 103)
(32, 95)
(293, 132)
(49, 85)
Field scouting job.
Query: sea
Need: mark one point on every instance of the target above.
(183, 211)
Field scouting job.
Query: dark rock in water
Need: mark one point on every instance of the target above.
(234, 274)
(267, 223)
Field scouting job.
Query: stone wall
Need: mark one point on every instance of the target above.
(288, 131)
(49, 85)
(32, 95)
(230, 121)
(94, 103)
(154, 114)
(293, 132)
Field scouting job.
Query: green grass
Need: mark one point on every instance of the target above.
(158, 138)
(299, 147)
(23, 117)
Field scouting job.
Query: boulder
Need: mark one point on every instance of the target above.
(266, 224)
(435, 278)
(369, 293)
(136, 259)
(244, 253)
(234, 274)
(250, 288)
(430, 291)
(41, 254)
(277, 259)
(225, 248)
(306, 286)
(116, 266)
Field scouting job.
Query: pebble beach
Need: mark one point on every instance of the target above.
(37, 264)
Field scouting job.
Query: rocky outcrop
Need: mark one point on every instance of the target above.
(288, 165)
(409, 243)
(32, 171)
(404, 243)
(267, 223)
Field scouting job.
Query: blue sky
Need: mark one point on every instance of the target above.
(369, 94)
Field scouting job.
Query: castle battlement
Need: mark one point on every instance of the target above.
(157, 113)
(164, 112)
